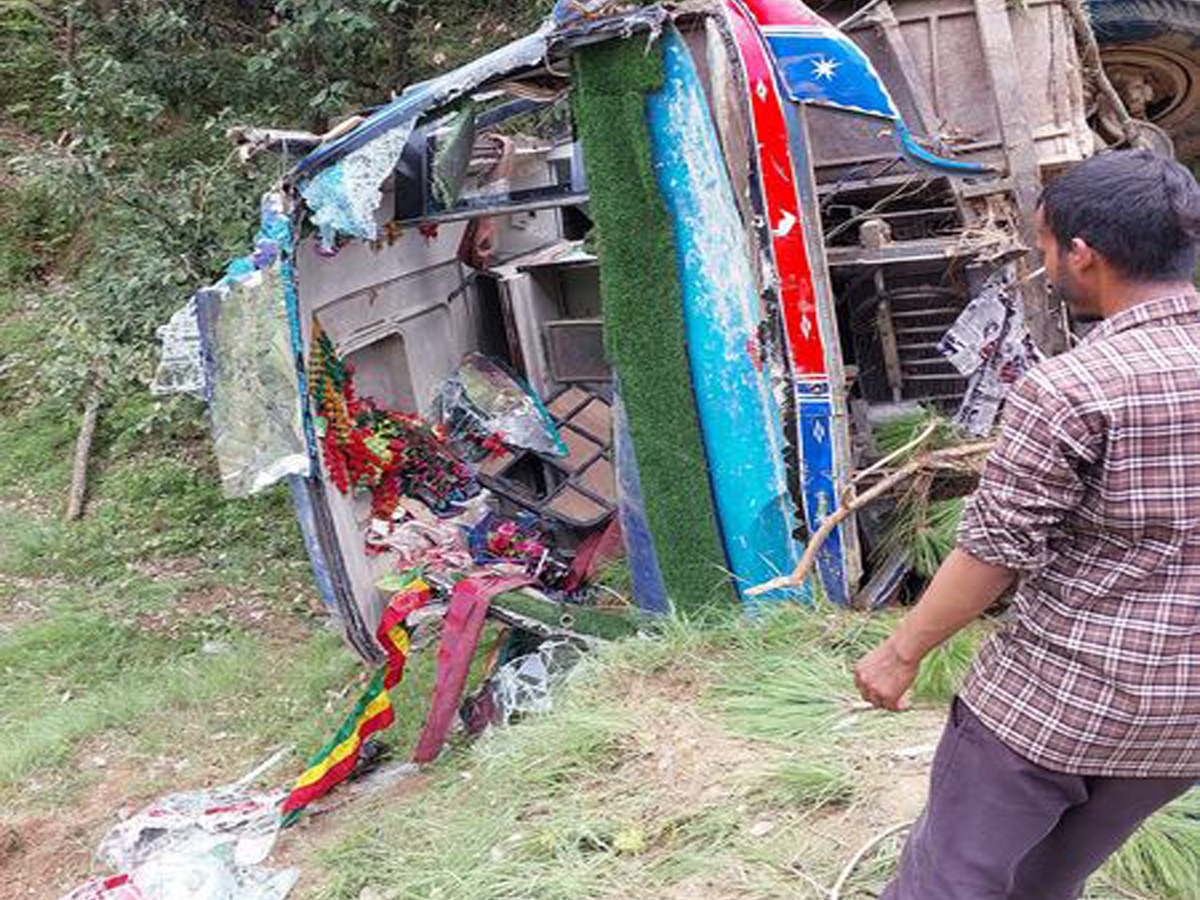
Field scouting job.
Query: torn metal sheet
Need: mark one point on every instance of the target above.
(419, 98)
(342, 181)
(580, 22)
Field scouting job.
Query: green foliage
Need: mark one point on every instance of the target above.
(37, 224)
(27, 60)
(789, 696)
(944, 670)
(897, 433)
(803, 784)
(139, 201)
(924, 530)
(1162, 859)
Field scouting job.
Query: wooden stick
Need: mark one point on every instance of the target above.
(933, 459)
(893, 456)
(83, 451)
(853, 19)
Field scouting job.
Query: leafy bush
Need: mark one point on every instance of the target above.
(140, 199)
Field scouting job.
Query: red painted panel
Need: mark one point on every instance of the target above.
(797, 292)
(782, 12)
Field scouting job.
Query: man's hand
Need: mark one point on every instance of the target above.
(962, 589)
(883, 677)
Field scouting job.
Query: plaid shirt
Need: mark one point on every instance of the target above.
(1093, 495)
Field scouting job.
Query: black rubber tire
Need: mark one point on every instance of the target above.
(1167, 30)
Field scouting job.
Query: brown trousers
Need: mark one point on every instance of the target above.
(999, 827)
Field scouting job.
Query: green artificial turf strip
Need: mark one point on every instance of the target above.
(643, 318)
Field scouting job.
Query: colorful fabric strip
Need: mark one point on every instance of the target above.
(373, 712)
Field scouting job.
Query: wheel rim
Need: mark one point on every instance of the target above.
(1170, 76)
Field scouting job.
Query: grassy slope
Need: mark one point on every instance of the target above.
(170, 640)
(728, 761)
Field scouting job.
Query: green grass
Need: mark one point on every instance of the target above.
(510, 826)
(803, 784)
(633, 786)
(924, 529)
(791, 696)
(943, 670)
(153, 689)
(144, 503)
(1162, 859)
(167, 616)
(898, 433)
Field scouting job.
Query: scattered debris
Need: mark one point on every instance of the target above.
(335, 762)
(483, 405)
(522, 685)
(460, 636)
(195, 845)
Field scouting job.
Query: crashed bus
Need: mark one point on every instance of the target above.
(642, 283)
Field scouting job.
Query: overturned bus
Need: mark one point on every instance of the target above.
(643, 282)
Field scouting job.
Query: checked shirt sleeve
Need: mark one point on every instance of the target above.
(1032, 480)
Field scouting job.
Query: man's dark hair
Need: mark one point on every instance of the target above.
(1140, 211)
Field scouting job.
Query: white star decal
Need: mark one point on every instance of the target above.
(824, 68)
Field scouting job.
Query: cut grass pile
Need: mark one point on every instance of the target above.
(1162, 859)
(924, 529)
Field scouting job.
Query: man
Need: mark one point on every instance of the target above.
(1081, 717)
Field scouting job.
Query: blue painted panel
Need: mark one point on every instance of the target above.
(830, 69)
(303, 500)
(820, 492)
(821, 65)
(649, 590)
(740, 421)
